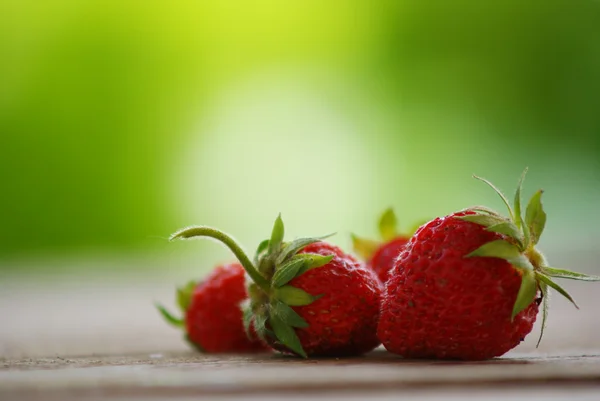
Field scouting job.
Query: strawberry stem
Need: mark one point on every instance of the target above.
(203, 231)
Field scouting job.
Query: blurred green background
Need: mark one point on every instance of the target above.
(122, 121)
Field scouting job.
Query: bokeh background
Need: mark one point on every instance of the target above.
(122, 121)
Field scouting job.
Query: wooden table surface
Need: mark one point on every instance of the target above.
(102, 339)
(378, 375)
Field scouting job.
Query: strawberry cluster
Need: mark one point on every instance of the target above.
(465, 286)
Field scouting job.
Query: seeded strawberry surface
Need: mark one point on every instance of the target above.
(343, 321)
(214, 319)
(385, 256)
(439, 304)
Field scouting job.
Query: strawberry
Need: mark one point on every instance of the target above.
(381, 255)
(307, 297)
(468, 285)
(213, 319)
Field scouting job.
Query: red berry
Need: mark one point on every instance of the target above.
(381, 255)
(343, 321)
(439, 304)
(468, 285)
(385, 256)
(213, 318)
(307, 297)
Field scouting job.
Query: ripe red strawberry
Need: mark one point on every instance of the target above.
(213, 318)
(381, 255)
(468, 285)
(307, 297)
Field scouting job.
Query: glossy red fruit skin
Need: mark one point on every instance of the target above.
(214, 318)
(439, 304)
(343, 322)
(385, 256)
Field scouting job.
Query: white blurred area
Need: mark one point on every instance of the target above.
(287, 141)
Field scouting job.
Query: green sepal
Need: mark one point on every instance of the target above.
(313, 261)
(365, 248)
(503, 250)
(388, 224)
(483, 219)
(286, 335)
(247, 317)
(535, 217)
(500, 194)
(276, 235)
(298, 265)
(483, 209)
(287, 272)
(548, 281)
(517, 201)
(545, 307)
(294, 296)
(291, 248)
(260, 322)
(184, 295)
(287, 315)
(170, 318)
(260, 249)
(526, 294)
(560, 273)
(509, 229)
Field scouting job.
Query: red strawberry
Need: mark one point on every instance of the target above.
(307, 297)
(213, 318)
(468, 285)
(381, 255)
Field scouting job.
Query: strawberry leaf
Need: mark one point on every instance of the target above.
(365, 248)
(483, 209)
(535, 217)
(288, 315)
(294, 296)
(286, 335)
(170, 318)
(483, 219)
(517, 201)
(312, 261)
(548, 281)
(276, 235)
(503, 250)
(184, 295)
(296, 245)
(560, 273)
(525, 235)
(247, 318)
(510, 229)
(260, 327)
(388, 225)
(510, 211)
(287, 271)
(545, 307)
(526, 294)
(260, 249)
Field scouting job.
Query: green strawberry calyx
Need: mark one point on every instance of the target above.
(184, 299)
(388, 231)
(518, 247)
(271, 298)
